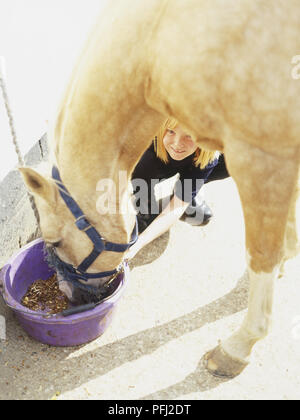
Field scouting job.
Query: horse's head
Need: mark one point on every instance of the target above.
(74, 235)
(55, 222)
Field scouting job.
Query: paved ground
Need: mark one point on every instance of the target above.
(187, 290)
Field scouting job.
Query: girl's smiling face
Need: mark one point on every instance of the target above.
(179, 144)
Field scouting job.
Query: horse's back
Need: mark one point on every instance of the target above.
(221, 67)
(231, 63)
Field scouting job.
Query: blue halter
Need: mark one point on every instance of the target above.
(100, 244)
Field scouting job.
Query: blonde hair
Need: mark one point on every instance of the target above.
(202, 157)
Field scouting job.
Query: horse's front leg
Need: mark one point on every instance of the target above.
(266, 184)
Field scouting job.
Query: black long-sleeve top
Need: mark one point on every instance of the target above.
(191, 178)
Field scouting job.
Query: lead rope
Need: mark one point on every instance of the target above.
(14, 135)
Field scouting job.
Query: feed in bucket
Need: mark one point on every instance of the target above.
(28, 266)
(45, 295)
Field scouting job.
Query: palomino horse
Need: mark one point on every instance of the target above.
(223, 70)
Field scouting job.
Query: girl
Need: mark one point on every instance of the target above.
(173, 151)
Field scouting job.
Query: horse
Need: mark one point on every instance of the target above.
(224, 70)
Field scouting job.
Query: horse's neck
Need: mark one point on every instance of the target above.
(97, 146)
(102, 128)
(104, 124)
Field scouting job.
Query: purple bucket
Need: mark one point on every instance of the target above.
(29, 265)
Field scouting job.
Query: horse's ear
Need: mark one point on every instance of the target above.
(38, 185)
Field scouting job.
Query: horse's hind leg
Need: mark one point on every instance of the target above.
(266, 184)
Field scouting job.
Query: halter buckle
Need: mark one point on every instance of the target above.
(82, 223)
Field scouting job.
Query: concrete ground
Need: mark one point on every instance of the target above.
(187, 291)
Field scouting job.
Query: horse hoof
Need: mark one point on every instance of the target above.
(221, 364)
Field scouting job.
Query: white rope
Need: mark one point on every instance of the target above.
(13, 130)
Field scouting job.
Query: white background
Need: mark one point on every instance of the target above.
(40, 40)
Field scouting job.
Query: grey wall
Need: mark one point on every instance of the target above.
(17, 221)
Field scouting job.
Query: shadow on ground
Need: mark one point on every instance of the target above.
(151, 252)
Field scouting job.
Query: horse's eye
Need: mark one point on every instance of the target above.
(54, 244)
